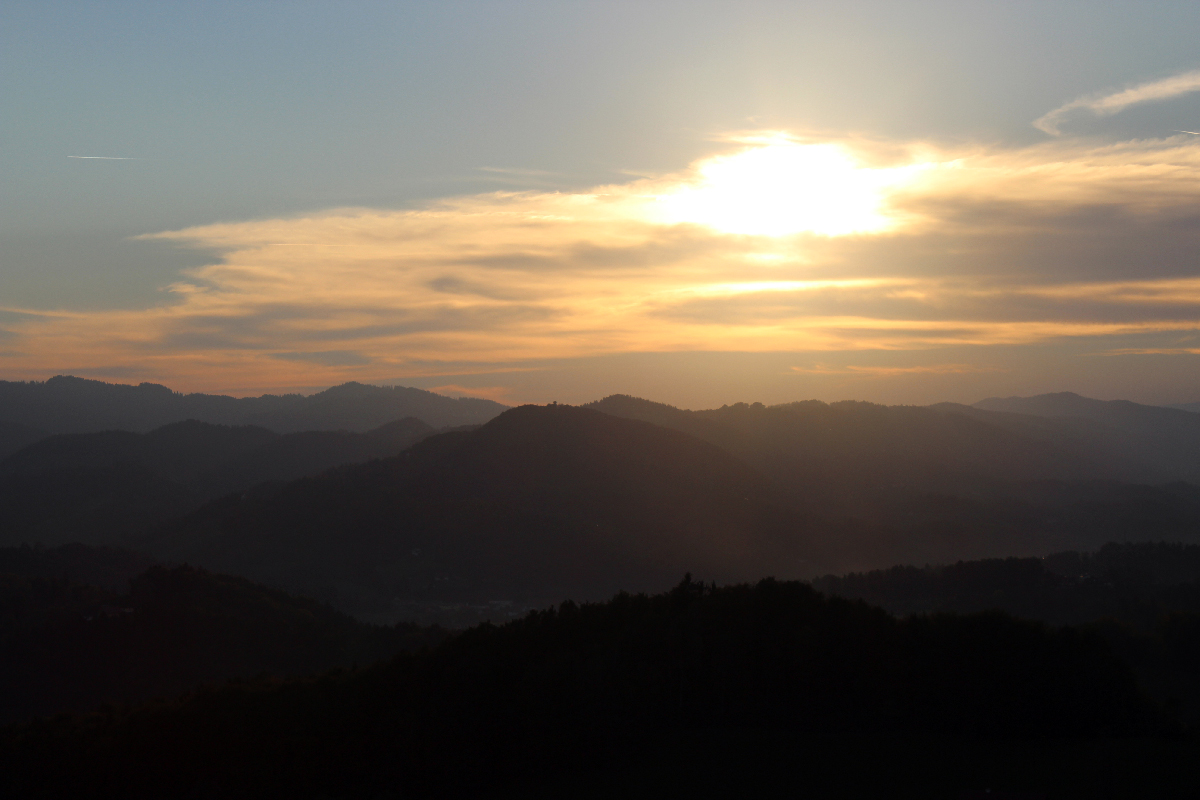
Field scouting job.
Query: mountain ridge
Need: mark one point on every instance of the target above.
(66, 404)
(865, 444)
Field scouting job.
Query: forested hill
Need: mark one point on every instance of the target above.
(65, 404)
(699, 692)
(80, 626)
(1138, 584)
(1143, 598)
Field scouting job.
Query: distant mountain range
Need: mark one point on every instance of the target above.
(1162, 440)
(64, 404)
(109, 487)
(863, 445)
(543, 503)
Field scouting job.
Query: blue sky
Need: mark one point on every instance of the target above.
(243, 113)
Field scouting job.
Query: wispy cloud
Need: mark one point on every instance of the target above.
(1103, 105)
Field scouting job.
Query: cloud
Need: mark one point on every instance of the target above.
(887, 372)
(1103, 105)
(498, 393)
(981, 248)
(1153, 351)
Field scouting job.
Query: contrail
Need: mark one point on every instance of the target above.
(110, 158)
(1193, 133)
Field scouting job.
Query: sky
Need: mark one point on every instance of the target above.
(697, 203)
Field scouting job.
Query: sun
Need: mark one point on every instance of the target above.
(783, 187)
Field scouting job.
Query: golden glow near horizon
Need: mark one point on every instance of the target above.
(774, 248)
(781, 187)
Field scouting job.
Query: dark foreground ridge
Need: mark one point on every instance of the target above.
(1144, 599)
(785, 683)
(80, 626)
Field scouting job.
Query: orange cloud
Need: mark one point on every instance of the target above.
(979, 247)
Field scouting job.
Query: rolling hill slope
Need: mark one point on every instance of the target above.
(539, 504)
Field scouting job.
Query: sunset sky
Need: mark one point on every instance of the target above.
(698, 203)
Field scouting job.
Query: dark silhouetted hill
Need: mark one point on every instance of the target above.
(550, 502)
(1143, 598)
(109, 487)
(1028, 518)
(547, 503)
(690, 686)
(541, 503)
(107, 568)
(1138, 584)
(70, 642)
(65, 404)
(181, 451)
(896, 484)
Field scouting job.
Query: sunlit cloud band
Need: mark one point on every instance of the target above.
(779, 245)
